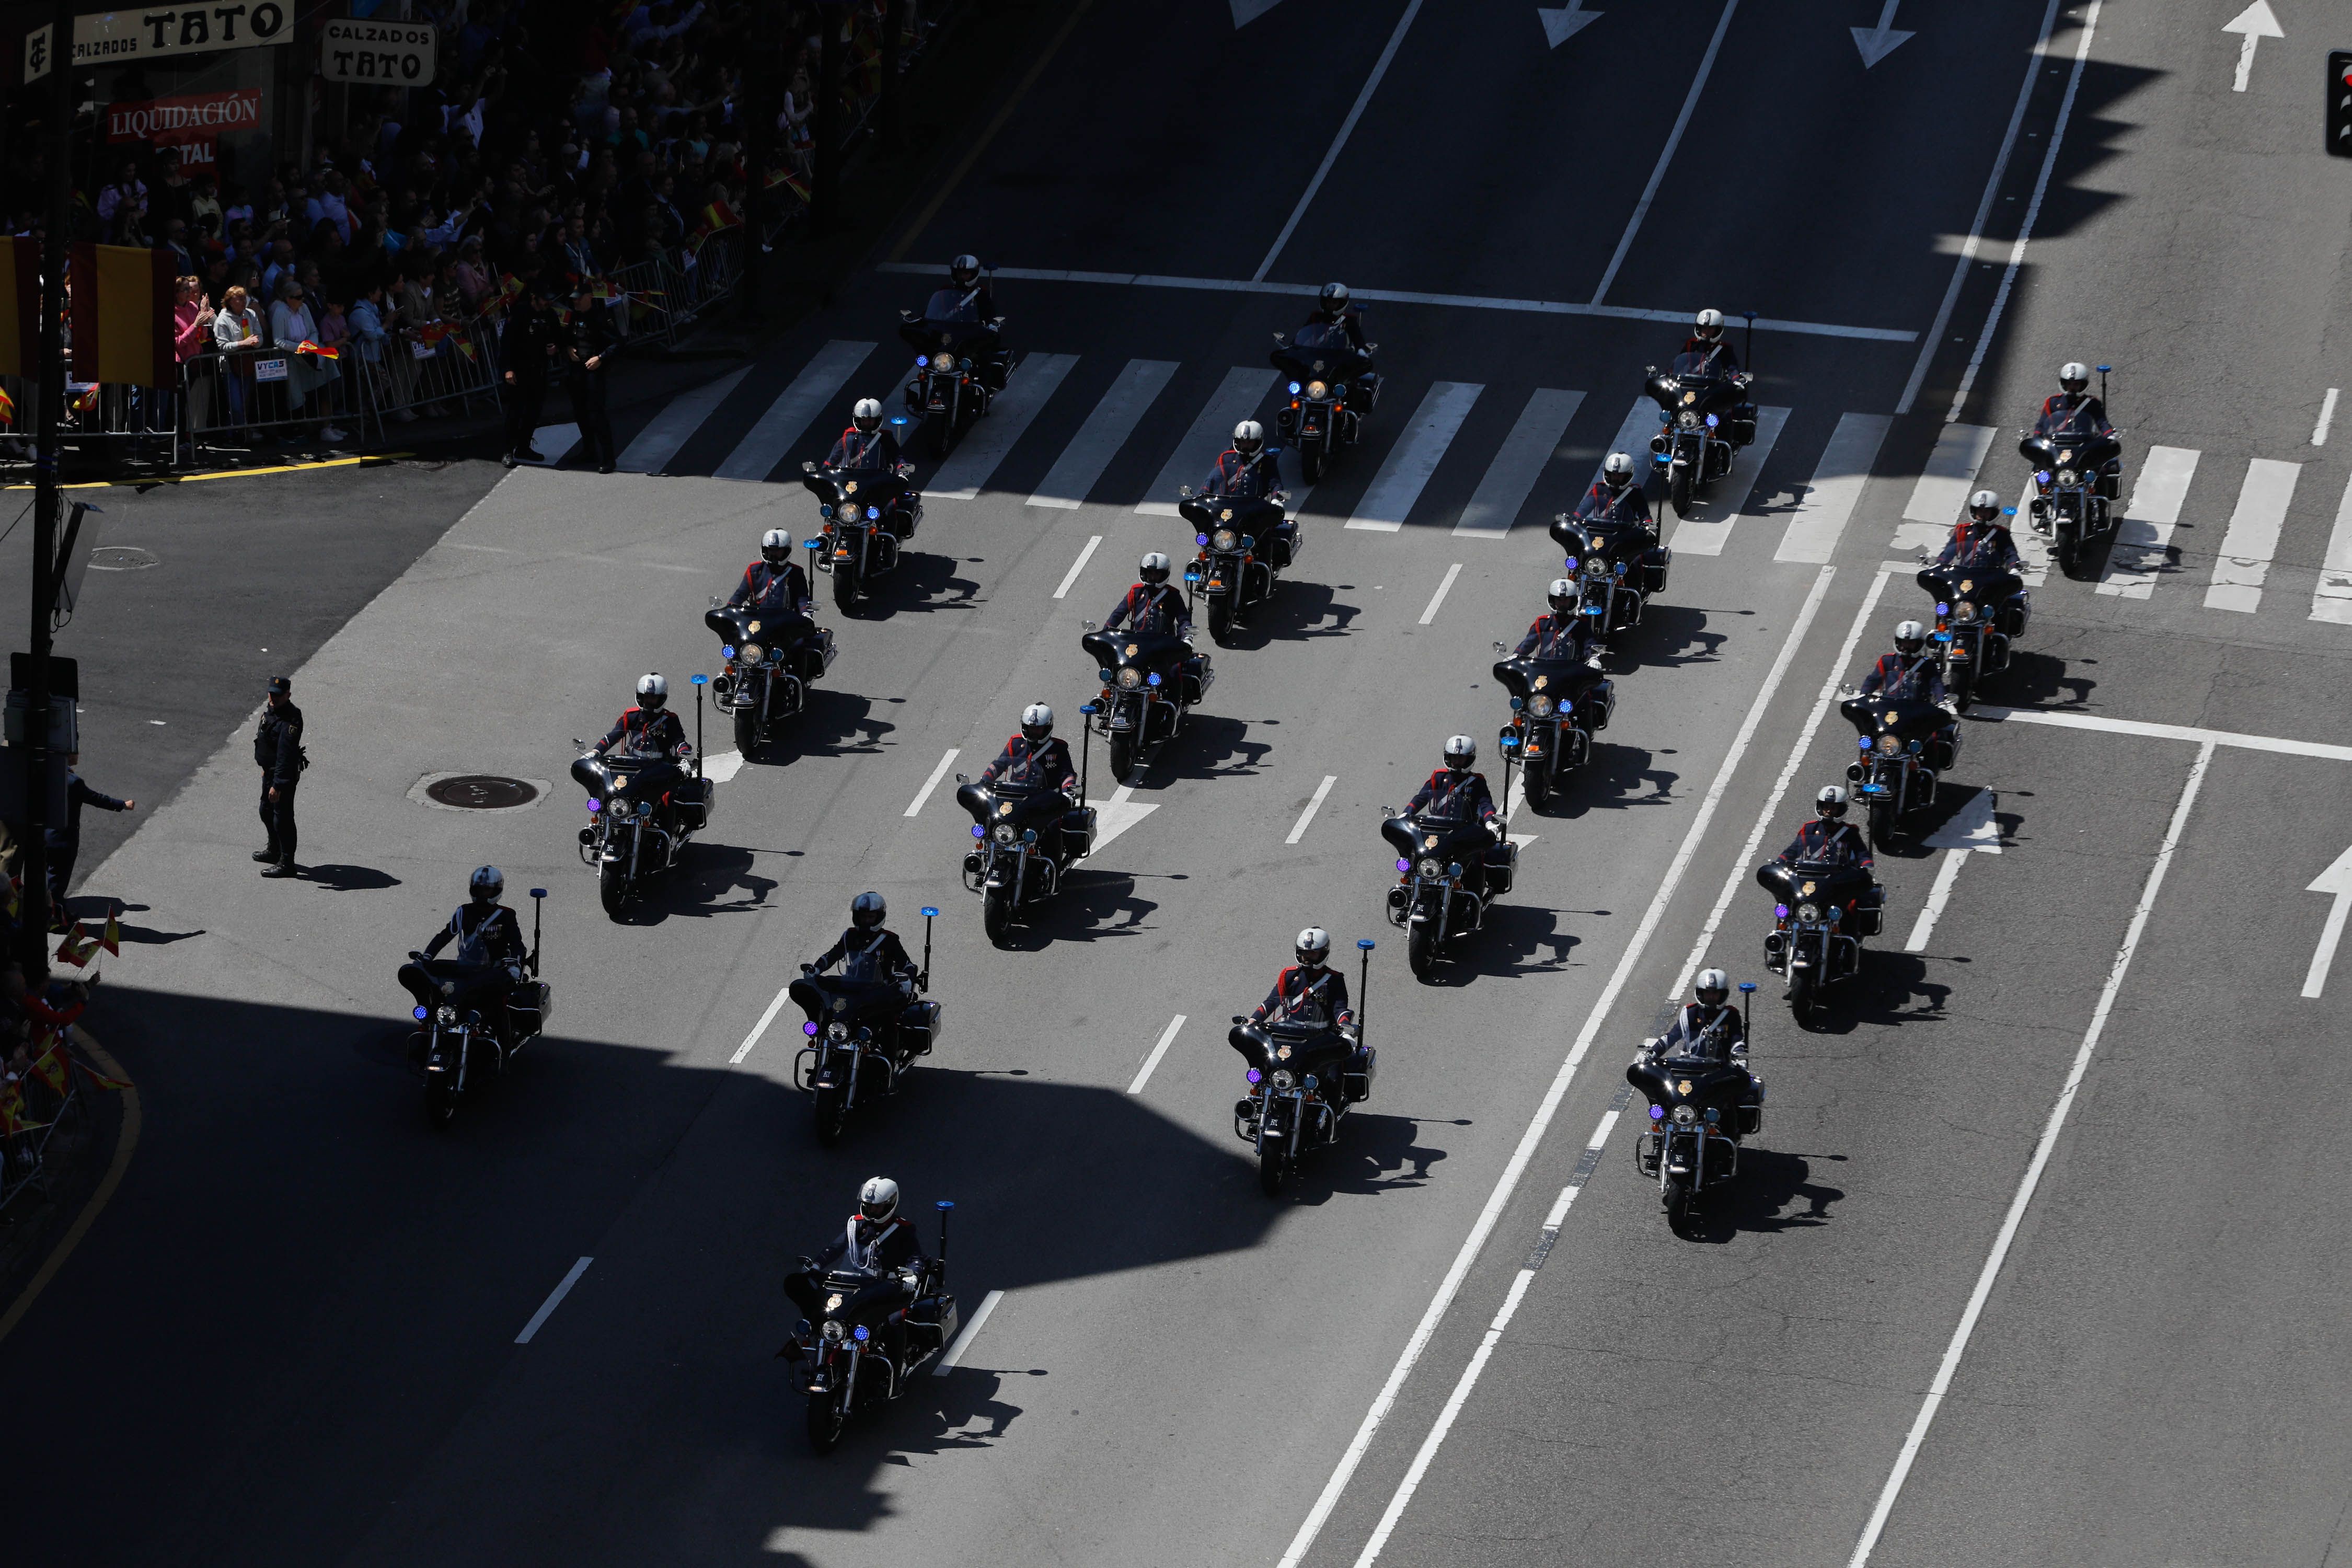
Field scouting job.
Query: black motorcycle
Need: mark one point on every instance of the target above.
(1978, 611)
(870, 514)
(872, 1333)
(480, 1022)
(1245, 548)
(771, 657)
(1145, 692)
(1700, 1110)
(2077, 475)
(1820, 915)
(641, 812)
(1438, 894)
(1330, 387)
(1616, 568)
(950, 388)
(1557, 706)
(1895, 773)
(1706, 420)
(863, 1038)
(1028, 840)
(1303, 1079)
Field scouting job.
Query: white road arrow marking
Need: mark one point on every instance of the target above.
(1117, 815)
(2252, 25)
(1561, 23)
(1877, 43)
(1248, 11)
(2337, 880)
(1971, 830)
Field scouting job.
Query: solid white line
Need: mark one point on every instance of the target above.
(1819, 518)
(2252, 539)
(666, 432)
(941, 771)
(2326, 418)
(1946, 876)
(1984, 211)
(2017, 1207)
(1072, 574)
(554, 1299)
(1347, 128)
(1236, 398)
(1405, 472)
(954, 1357)
(2331, 936)
(1438, 598)
(975, 459)
(770, 440)
(1507, 1183)
(1167, 1037)
(1114, 419)
(1673, 140)
(1512, 476)
(1407, 296)
(2332, 600)
(2164, 731)
(1314, 803)
(2032, 212)
(760, 1028)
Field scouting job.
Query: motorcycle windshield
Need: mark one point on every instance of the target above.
(1321, 352)
(1907, 718)
(1565, 679)
(1808, 882)
(991, 803)
(1978, 584)
(1251, 516)
(861, 1001)
(2069, 450)
(967, 340)
(1425, 836)
(1683, 1080)
(1145, 650)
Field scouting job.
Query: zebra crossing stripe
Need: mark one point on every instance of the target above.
(1820, 515)
(1405, 472)
(985, 444)
(1511, 477)
(2333, 602)
(1708, 527)
(1944, 488)
(651, 451)
(771, 436)
(2253, 539)
(1104, 433)
(2139, 555)
(1632, 438)
(1236, 398)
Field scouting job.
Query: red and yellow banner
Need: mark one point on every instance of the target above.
(122, 315)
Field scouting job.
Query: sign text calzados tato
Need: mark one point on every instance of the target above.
(398, 54)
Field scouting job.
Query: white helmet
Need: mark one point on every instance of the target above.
(1333, 298)
(1249, 437)
(1036, 721)
(775, 547)
(1153, 567)
(488, 884)
(653, 691)
(1830, 801)
(1717, 982)
(1618, 470)
(877, 1200)
(1461, 750)
(1909, 636)
(2074, 376)
(1984, 506)
(866, 414)
(1314, 945)
(1562, 595)
(1710, 324)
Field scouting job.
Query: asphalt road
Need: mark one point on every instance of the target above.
(2072, 1151)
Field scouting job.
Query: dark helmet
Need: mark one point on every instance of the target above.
(1153, 567)
(1562, 595)
(488, 884)
(1984, 507)
(877, 1200)
(1037, 722)
(1714, 988)
(1314, 947)
(775, 547)
(965, 271)
(866, 414)
(1830, 801)
(653, 692)
(867, 910)
(1333, 300)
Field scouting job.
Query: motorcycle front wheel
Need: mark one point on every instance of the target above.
(1311, 457)
(829, 1114)
(611, 887)
(1221, 619)
(1959, 683)
(1678, 491)
(844, 588)
(1420, 949)
(747, 730)
(1881, 825)
(1123, 755)
(824, 1423)
(1272, 1166)
(1800, 995)
(440, 1101)
(1675, 1199)
(1536, 781)
(996, 915)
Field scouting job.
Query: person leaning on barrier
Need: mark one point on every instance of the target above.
(589, 345)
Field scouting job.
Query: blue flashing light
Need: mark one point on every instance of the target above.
(861, 1333)
(1657, 1113)
(1293, 389)
(699, 679)
(1365, 944)
(809, 1028)
(726, 650)
(1152, 679)
(978, 831)
(422, 1014)
(931, 913)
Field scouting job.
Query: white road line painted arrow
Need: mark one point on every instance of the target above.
(1117, 815)
(1563, 23)
(2337, 880)
(1970, 830)
(2252, 25)
(1877, 43)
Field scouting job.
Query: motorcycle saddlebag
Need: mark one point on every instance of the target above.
(528, 1007)
(1870, 918)
(1739, 429)
(693, 799)
(918, 1027)
(1655, 566)
(931, 1324)
(1356, 1082)
(1751, 1121)
(1280, 548)
(1078, 834)
(1502, 868)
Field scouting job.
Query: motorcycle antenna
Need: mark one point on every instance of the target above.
(2103, 386)
(699, 681)
(1086, 749)
(1364, 945)
(538, 904)
(1751, 341)
(931, 913)
(1747, 1010)
(946, 1207)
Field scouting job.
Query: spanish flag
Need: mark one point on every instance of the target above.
(20, 308)
(12, 1111)
(719, 215)
(122, 315)
(112, 940)
(78, 947)
(316, 351)
(98, 1079)
(7, 408)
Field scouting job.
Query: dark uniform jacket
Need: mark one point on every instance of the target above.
(871, 452)
(485, 933)
(1899, 674)
(1033, 764)
(957, 303)
(1829, 841)
(78, 795)
(1452, 796)
(1154, 607)
(524, 340)
(2073, 412)
(1691, 1025)
(1985, 546)
(589, 336)
(876, 955)
(1701, 357)
(278, 744)
(643, 733)
(1350, 320)
(1304, 995)
(1553, 636)
(775, 590)
(1601, 504)
(1244, 479)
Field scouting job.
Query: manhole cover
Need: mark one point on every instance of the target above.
(482, 791)
(121, 558)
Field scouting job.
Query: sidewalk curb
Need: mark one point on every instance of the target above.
(125, 1144)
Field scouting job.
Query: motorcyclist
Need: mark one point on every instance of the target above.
(651, 734)
(2071, 412)
(1707, 1029)
(1245, 470)
(1455, 793)
(1333, 308)
(1981, 540)
(969, 297)
(1829, 842)
(866, 445)
(1154, 607)
(775, 583)
(487, 936)
(1312, 993)
(1616, 500)
(1708, 351)
(1562, 632)
(1912, 672)
(877, 1242)
(868, 949)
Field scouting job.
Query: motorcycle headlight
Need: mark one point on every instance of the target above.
(1282, 1077)
(2067, 475)
(1964, 612)
(1316, 389)
(836, 1031)
(1888, 746)
(448, 1015)
(1004, 833)
(1809, 913)
(1224, 538)
(1685, 1116)
(1130, 679)
(1687, 420)
(1429, 867)
(753, 652)
(833, 1331)
(1543, 705)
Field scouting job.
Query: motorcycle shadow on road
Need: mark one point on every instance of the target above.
(1766, 1197)
(1519, 938)
(1375, 1154)
(1611, 778)
(922, 583)
(1669, 636)
(708, 879)
(1090, 904)
(1892, 990)
(1295, 614)
(1212, 746)
(832, 724)
(2035, 680)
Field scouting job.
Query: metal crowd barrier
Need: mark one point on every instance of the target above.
(40, 1113)
(234, 400)
(448, 375)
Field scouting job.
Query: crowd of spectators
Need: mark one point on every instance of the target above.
(564, 143)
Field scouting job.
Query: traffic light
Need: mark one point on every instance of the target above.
(2339, 102)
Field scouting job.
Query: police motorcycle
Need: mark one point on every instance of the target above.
(1324, 370)
(1241, 557)
(1821, 916)
(1615, 568)
(1978, 611)
(1704, 420)
(452, 1050)
(1146, 694)
(1700, 1110)
(867, 516)
(1304, 1078)
(948, 391)
(1028, 840)
(1892, 775)
(1556, 707)
(863, 1036)
(870, 1337)
(629, 840)
(1432, 901)
(2075, 485)
(771, 656)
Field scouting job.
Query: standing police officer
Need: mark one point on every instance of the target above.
(278, 751)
